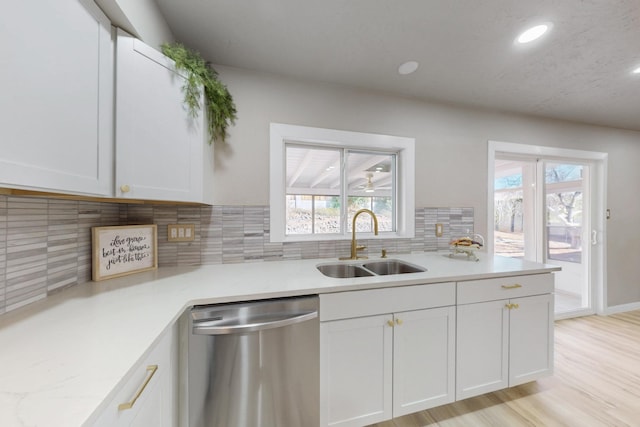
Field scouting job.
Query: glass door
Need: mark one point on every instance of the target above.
(567, 226)
(514, 208)
(541, 213)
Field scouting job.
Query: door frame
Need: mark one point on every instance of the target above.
(598, 184)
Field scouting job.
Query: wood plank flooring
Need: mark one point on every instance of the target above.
(596, 383)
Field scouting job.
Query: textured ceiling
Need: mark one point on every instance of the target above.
(580, 71)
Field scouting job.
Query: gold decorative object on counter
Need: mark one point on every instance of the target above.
(467, 246)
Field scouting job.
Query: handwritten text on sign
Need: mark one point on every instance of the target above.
(125, 250)
(121, 250)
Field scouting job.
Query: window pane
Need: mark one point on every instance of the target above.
(327, 215)
(312, 189)
(564, 190)
(364, 221)
(299, 208)
(383, 208)
(312, 168)
(371, 185)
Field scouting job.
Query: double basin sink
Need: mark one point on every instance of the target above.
(368, 268)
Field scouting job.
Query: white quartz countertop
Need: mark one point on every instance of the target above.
(61, 358)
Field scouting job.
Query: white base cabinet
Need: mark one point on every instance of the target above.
(397, 357)
(56, 120)
(424, 362)
(151, 389)
(356, 370)
(162, 152)
(389, 352)
(504, 333)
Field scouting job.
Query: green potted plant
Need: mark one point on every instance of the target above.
(219, 105)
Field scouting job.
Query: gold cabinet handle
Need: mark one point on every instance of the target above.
(399, 321)
(511, 306)
(516, 286)
(508, 306)
(390, 323)
(515, 305)
(125, 188)
(151, 370)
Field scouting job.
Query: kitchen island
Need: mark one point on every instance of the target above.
(63, 359)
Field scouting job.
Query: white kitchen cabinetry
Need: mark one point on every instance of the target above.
(162, 152)
(147, 397)
(56, 120)
(504, 333)
(385, 353)
(424, 359)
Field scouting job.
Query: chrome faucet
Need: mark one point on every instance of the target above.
(354, 247)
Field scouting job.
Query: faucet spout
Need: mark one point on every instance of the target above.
(354, 246)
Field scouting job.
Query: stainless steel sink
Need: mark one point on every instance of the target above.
(343, 271)
(369, 268)
(384, 268)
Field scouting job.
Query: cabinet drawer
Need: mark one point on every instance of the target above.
(504, 288)
(344, 305)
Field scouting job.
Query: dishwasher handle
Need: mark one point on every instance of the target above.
(225, 327)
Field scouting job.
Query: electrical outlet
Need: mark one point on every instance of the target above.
(439, 230)
(181, 232)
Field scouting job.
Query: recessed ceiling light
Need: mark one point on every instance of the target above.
(408, 67)
(636, 71)
(533, 33)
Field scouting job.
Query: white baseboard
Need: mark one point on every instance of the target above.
(622, 308)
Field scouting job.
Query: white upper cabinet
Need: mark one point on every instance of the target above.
(56, 124)
(162, 152)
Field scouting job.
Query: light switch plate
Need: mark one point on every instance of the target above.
(181, 232)
(438, 230)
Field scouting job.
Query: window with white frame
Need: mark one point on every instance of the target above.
(321, 177)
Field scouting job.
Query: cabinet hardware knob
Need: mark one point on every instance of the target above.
(125, 188)
(515, 305)
(151, 370)
(516, 286)
(508, 306)
(399, 321)
(390, 323)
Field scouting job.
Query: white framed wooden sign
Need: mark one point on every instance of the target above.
(124, 249)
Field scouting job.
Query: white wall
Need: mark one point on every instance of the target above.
(451, 152)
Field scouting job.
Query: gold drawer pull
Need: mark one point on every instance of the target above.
(516, 286)
(390, 323)
(399, 321)
(512, 306)
(151, 370)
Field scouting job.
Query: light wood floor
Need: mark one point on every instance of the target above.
(596, 383)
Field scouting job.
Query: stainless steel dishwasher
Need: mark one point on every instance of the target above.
(254, 364)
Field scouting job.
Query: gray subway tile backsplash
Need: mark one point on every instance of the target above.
(45, 244)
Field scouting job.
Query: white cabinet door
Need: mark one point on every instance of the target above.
(530, 339)
(423, 359)
(157, 400)
(161, 151)
(355, 371)
(56, 121)
(503, 343)
(482, 354)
